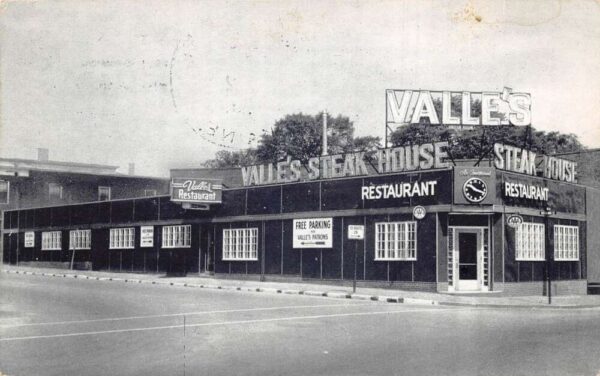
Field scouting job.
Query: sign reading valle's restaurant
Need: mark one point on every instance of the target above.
(410, 106)
(313, 233)
(197, 191)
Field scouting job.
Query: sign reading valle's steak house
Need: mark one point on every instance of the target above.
(197, 191)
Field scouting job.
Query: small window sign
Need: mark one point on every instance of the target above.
(356, 232)
(146, 236)
(29, 239)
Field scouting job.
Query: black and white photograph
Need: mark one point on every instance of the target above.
(299, 187)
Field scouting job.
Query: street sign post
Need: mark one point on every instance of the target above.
(356, 233)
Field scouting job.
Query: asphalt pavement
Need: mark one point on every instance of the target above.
(75, 326)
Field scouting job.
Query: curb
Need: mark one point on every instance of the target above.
(327, 294)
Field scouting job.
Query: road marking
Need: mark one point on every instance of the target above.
(197, 313)
(222, 323)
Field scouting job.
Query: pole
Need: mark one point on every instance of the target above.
(548, 259)
(385, 143)
(355, 266)
(324, 138)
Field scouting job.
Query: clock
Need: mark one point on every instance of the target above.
(475, 190)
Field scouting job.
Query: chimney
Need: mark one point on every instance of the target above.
(42, 154)
(131, 170)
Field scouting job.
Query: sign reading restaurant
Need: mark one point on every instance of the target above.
(197, 191)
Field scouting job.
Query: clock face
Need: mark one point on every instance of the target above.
(475, 190)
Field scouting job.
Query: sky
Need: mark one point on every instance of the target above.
(165, 84)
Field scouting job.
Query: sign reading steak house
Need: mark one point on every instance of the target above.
(523, 161)
(398, 159)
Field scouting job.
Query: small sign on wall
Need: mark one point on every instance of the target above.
(313, 233)
(356, 232)
(146, 236)
(514, 220)
(29, 239)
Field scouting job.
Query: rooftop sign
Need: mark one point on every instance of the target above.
(523, 161)
(457, 108)
(196, 191)
(398, 159)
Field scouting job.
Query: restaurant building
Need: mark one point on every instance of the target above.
(450, 228)
(407, 217)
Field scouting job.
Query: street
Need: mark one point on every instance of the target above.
(60, 326)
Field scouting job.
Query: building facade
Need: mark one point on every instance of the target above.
(28, 183)
(451, 229)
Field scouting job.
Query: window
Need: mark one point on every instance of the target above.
(4, 190)
(176, 236)
(240, 244)
(149, 192)
(530, 242)
(55, 191)
(103, 193)
(80, 239)
(51, 241)
(396, 241)
(566, 243)
(121, 238)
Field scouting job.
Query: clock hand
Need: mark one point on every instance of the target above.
(475, 189)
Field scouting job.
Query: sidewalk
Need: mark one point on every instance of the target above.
(386, 295)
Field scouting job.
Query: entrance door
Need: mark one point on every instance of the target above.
(468, 270)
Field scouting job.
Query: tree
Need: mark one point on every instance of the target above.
(226, 158)
(475, 142)
(299, 137)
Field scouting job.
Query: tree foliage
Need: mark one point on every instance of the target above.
(227, 158)
(298, 136)
(475, 142)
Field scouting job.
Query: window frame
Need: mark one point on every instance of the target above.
(150, 190)
(566, 236)
(7, 192)
(171, 236)
(396, 241)
(60, 191)
(81, 238)
(534, 243)
(51, 241)
(240, 244)
(122, 238)
(108, 189)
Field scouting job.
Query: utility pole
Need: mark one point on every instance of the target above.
(324, 138)
(549, 256)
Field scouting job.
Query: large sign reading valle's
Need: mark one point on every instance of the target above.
(410, 106)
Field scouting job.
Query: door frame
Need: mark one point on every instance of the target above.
(455, 257)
